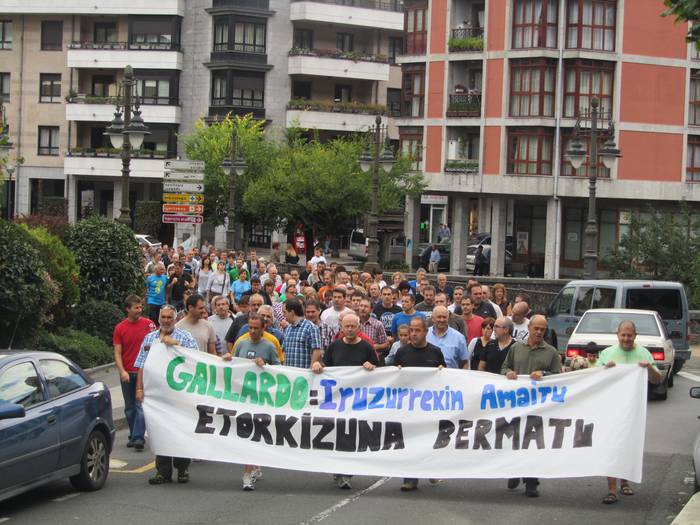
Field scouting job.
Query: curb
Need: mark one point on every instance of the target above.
(100, 369)
(690, 515)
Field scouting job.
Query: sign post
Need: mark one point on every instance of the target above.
(183, 192)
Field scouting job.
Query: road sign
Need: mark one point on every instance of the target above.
(183, 187)
(192, 209)
(196, 166)
(183, 198)
(184, 176)
(179, 219)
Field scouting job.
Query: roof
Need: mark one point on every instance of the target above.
(37, 354)
(618, 311)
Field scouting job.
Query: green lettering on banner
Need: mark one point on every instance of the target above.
(284, 390)
(228, 395)
(199, 381)
(211, 390)
(267, 381)
(250, 388)
(183, 376)
(300, 391)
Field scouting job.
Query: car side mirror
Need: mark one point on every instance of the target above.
(695, 392)
(15, 410)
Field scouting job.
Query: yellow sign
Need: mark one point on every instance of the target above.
(191, 198)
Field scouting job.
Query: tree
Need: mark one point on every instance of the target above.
(686, 11)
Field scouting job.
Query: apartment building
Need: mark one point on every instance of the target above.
(491, 93)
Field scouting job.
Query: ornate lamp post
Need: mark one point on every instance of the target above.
(369, 161)
(233, 167)
(576, 155)
(127, 133)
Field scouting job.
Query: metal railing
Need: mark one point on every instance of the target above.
(341, 55)
(145, 101)
(116, 153)
(466, 39)
(464, 105)
(126, 46)
(382, 5)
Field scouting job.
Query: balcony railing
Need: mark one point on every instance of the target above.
(337, 107)
(116, 153)
(462, 166)
(221, 110)
(254, 4)
(126, 46)
(144, 101)
(396, 5)
(464, 105)
(466, 39)
(336, 53)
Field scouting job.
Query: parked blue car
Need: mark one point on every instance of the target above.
(55, 423)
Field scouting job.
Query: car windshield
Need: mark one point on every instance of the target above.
(606, 323)
(151, 240)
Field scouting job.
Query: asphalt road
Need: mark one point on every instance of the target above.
(214, 493)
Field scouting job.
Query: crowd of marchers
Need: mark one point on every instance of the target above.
(229, 303)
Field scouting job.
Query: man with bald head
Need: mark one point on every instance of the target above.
(536, 359)
(520, 321)
(455, 321)
(450, 342)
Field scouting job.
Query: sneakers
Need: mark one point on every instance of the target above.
(248, 482)
(344, 482)
(138, 446)
(531, 490)
(129, 444)
(256, 474)
(183, 476)
(513, 483)
(409, 485)
(159, 479)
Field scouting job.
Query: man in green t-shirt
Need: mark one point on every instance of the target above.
(626, 352)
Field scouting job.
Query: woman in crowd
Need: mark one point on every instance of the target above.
(396, 279)
(477, 346)
(203, 275)
(218, 282)
(500, 297)
(240, 286)
(290, 255)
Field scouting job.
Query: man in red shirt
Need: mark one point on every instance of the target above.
(472, 321)
(127, 339)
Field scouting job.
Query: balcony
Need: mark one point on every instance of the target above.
(246, 4)
(118, 55)
(464, 104)
(462, 166)
(333, 116)
(105, 162)
(219, 112)
(94, 7)
(101, 109)
(334, 63)
(359, 13)
(466, 39)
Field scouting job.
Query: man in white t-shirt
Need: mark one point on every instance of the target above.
(521, 324)
(222, 318)
(331, 316)
(196, 324)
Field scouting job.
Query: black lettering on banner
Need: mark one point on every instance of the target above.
(283, 430)
(306, 431)
(509, 430)
(203, 419)
(393, 435)
(445, 430)
(462, 437)
(583, 435)
(533, 430)
(483, 427)
(345, 441)
(260, 423)
(560, 426)
(244, 425)
(326, 424)
(369, 437)
(228, 414)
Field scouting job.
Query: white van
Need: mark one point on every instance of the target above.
(358, 245)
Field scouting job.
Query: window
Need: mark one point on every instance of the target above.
(51, 35)
(562, 304)
(50, 90)
(395, 48)
(585, 79)
(221, 34)
(590, 24)
(249, 37)
(105, 32)
(48, 140)
(154, 32)
(568, 170)
(692, 171)
(343, 42)
(413, 91)
(5, 87)
(103, 85)
(304, 38)
(219, 88)
(248, 90)
(393, 102)
(532, 86)
(20, 384)
(5, 34)
(301, 90)
(154, 91)
(343, 93)
(530, 151)
(694, 99)
(416, 31)
(411, 145)
(60, 378)
(534, 23)
(584, 297)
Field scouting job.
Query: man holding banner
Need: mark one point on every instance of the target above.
(537, 359)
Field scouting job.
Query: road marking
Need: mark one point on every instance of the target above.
(67, 497)
(117, 463)
(3, 520)
(330, 510)
(139, 470)
(690, 376)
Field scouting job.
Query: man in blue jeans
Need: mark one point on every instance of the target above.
(127, 339)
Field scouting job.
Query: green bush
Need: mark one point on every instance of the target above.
(86, 350)
(475, 43)
(62, 268)
(28, 293)
(98, 318)
(110, 261)
(55, 224)
(148, 217)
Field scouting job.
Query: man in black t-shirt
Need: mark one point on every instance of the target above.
(482, 307)
(349, 350)
(491, 359)
(178, 282)
(386, 310)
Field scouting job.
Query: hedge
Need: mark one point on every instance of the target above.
(98, 318)
(86, 350)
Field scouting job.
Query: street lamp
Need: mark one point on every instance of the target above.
(372, 162)
(576, 154)
(127, 133)
(233, 167)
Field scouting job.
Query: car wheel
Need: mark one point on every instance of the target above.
(661, 394)
(94, 465)
(669, 381)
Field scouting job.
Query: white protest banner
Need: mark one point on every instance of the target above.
(410, 422)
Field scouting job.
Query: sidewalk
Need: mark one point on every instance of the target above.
(110, 377)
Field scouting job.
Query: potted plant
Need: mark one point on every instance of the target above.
(459, 88)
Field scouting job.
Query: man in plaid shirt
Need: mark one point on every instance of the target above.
(302, 340)
(374, 328)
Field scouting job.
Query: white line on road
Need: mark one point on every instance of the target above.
(330, 510)
(67, 497)
(690, 376)
(3, 520)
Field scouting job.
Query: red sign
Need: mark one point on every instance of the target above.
(192, 209)
(179, 219)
